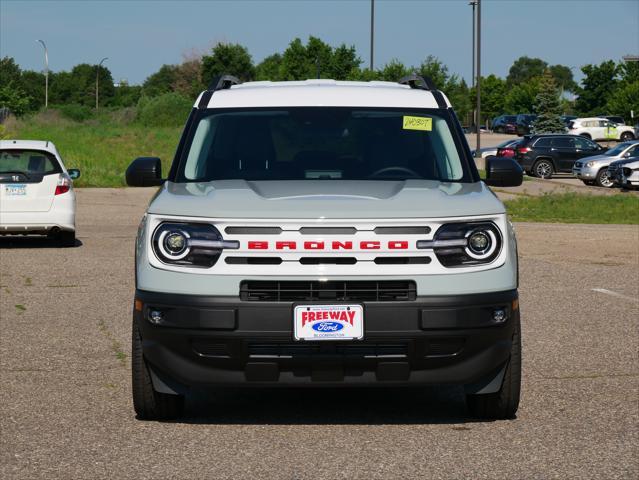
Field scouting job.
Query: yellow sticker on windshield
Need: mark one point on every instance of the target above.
(418, 123)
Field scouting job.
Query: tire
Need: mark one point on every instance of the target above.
(149, 404)
(585, 135)
(66, 238)
(626, 136)
(543, 169)
(603, 180)
(503, 404)
(499, 130)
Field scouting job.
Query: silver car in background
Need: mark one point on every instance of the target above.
(594, 170)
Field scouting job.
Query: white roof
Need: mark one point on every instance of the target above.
(322, 93)
(29, 145)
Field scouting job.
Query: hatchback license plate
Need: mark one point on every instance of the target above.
(16, 189)
(328, 322)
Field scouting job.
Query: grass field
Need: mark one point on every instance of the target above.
(575, 208)
(102, 148)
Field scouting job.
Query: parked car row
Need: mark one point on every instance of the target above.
(604, 127)
(542, 156)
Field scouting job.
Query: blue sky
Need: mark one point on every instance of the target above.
(140, 36)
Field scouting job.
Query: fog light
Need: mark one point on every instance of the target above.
(499, 315)
(156, 316)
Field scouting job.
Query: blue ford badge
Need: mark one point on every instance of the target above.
(327, 327)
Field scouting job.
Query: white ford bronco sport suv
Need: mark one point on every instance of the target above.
(325, 233)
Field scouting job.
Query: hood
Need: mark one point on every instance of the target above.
(600, 159)
(325, 199)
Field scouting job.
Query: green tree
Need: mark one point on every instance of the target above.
(599, 83)
(524, 69)
(127, 95)
(628, 72)
(624, 100)
(548, 106)
(344, 64)
(433, 68)
(82, 83)
(12, 92)
(521, 98)
(458, 93)
(563, 77)
(228, 58)
(161, 81)
(33, 84)
(493, 90)
(269, 68)
(393, 71)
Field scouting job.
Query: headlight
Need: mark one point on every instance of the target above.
(461, 244)
(190, 244)
(590, 164)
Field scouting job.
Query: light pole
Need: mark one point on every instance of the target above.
(478, 83)
(473, 3)
(97, 76)
(372, 31)
(46, 74)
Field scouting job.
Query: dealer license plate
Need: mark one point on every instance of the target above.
(15, 189)
(328, 322)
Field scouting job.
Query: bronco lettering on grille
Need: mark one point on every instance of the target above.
(322, 245)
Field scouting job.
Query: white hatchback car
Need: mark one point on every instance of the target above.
(36, 191)
(600, 129)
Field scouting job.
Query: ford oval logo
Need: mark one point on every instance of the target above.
(327, 326)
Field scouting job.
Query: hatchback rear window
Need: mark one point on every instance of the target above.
(28, 162)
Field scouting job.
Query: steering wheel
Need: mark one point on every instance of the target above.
(384, 170)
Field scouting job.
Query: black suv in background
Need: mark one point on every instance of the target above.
(504, 124)
(543, 155)
(524, 123)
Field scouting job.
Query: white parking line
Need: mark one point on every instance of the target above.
(615, 294)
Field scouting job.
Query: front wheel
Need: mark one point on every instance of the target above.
(504, 403)
(149, 404)
(543, 169)
(627, 136)
(603, 180)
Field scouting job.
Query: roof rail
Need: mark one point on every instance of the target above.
(220, 82)
(417, 81)
(223, 82)
(424, 83)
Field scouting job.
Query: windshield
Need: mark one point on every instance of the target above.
(613, 152)
(322, 143)
(28, 162)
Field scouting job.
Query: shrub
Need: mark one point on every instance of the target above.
(168, 110)
(77, 113)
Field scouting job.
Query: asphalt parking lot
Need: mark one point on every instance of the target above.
(66, 411)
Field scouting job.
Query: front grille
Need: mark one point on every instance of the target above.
(293, 291)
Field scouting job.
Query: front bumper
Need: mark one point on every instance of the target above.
(585, 173)
(206, 341)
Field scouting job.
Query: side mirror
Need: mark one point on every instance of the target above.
(74, 173)
(626, 155)
(503, 172)
(144, 172)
